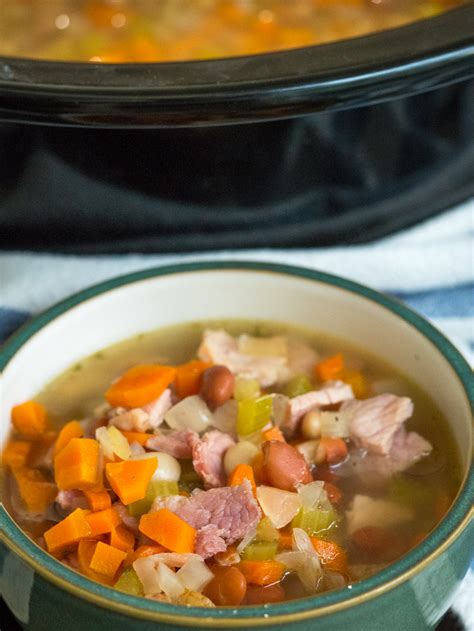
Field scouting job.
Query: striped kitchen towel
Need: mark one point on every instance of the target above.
(430, 267)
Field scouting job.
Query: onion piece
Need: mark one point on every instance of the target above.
(304, 561)
(249, 537)
(195, 575)
(113, 442)
(225, 417)
(279, 408)
(169, 582)
(146, 570)
(168, 468)
(312, 494)
(334, 424)
(190, 413)
(276, 346)
(279, 506)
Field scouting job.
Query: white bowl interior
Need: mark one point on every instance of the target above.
(164, 300)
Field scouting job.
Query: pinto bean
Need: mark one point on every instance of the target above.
(283, 465)
(228, 587)
(217, 386)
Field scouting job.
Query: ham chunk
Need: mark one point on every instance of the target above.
(68, 501)
(374, 422)
(220, 516)
(367, 511)
(332, 393)
(175, 443)
(144, 419)
(208, 455)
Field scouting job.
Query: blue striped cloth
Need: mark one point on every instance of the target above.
(430, 267)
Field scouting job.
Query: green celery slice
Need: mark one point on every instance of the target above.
(246, 389)
(298, 385)
(253, 414)
(129, 583)
(259, 551)
(155, 488)
(266, 531)
(315, 520)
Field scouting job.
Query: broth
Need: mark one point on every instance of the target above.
(426, 488)
(177, 30)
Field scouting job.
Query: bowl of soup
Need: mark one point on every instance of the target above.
(233, 445)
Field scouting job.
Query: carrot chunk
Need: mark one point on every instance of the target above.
(103, 521)
(332, 556)
(143, 551)
(285, 541)
(68, 531)
(357, 381)
(136, 437)
(130, 478)
(273, 434)
(16, 453)
(35, 490)
(261, 572)
(169, 530)
(122, 538)
(188, 378)
(71, 430)
(330, 368)
(98, 500)
(76, 466)
(106, 559)
(140, 385)
(85, 552)
(240, 473)
(29, 418)
(335, 448)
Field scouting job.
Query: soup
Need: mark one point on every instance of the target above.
(176, 30)
(232, 463)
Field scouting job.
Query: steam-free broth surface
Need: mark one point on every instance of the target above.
(363, 495)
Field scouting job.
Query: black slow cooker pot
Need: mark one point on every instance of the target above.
(322, 145)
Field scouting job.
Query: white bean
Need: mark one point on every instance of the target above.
(168, 467)
(240, 453)
(311, 425)
(313, 452)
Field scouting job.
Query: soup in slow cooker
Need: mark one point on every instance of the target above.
(177, 30)
(229, 463)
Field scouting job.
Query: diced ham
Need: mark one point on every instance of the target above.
(367, 511)
(374, 422)
(332, 393)
(221, 348)
(175, 443)
(144, 419)
(208, 454)
(128, 520)
(232, 511)
(68, 501)
(408, 448)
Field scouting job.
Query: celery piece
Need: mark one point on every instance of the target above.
(155, 488)
(140, 507)
(259, 551)
(253, 414)
(314, 520)
(266, 531)
(129, 583)
(188, 473)
(412, 493)
(246, 389)
(298, 385)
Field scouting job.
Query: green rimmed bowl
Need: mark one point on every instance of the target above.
(412, 593)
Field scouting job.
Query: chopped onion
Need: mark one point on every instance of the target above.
(276, 346)
(169, 582)
(249, 537)
(312, 451)
(334, 424)
(242, 452)
(312, 494)
(136, 449)
(190, 413)
(145, 567)
(279, 506)
(195, 575)
(279, 408)
(168, 468)
(113, 442)
(304, 561)
(225, 417)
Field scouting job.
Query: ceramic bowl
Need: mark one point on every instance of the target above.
(412, 593)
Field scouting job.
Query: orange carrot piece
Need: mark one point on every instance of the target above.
(29, 418)
(76, 466)
(16, 453)
(136, 437)
(240, 473)
(143, 551)
(273, 434)
(106, 559)
(258, 469)
(35, 490)
(261, 572)
(332, 556)
(286, 541)
(68, 531)
(333, 492)
(103, 521)
(330, 368)
(122, 538)
(336, 449)
(98, 500)
(188, 378)
(140, 385)
(85, 552)
(71, 430)
(169, 530)
(130, 478)
(357, 381)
